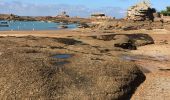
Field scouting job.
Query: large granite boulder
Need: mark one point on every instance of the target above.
(141, 12)
(141, 39)
(29, 71)
(83, 25)
(107, 25)
(124, 42)
(127, 41)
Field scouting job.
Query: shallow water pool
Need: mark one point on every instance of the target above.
(62, 56)
(33, 25)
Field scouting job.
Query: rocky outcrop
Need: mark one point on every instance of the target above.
(124, 42)
(127, 25)
(63, 27)
(29, 71)
(83, 25)
(16, 17)
(140, 12)
(7, 16)
(141, 39)
(127, 41)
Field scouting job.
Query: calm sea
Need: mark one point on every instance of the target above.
(33, 25)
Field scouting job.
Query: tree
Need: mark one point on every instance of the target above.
(166, 12)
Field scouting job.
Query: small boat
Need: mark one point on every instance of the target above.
(4, 24)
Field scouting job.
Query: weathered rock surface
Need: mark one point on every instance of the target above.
(141, 39)
(129, 25)
(124, 42)
(28, 71)
(140, 12)
(127, 41)
(83, 25)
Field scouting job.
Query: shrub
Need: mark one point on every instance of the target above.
(166, 12)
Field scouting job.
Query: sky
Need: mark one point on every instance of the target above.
(83, 8)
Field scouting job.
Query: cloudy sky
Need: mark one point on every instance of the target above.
(81, 8)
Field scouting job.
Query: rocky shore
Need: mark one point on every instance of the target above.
(95, 68)
(102, 59)
(30, 70)
(44, 18)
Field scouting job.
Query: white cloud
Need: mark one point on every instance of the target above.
(20, 8)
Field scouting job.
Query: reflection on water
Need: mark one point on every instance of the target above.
(62, 56)
(129, 58)
(33, 25)
(140, 57)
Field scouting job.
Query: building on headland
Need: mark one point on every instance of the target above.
(141, 12)
(100, 16)
(63, 15)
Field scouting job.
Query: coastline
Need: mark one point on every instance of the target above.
(96, 57)
(95, 47)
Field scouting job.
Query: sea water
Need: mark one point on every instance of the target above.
(34, 25)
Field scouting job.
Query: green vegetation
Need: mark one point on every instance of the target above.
(166, 12)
